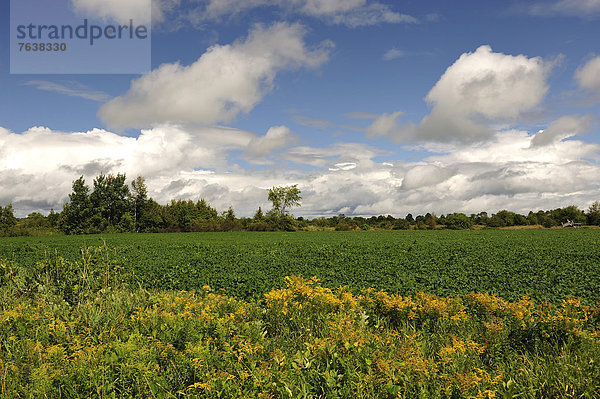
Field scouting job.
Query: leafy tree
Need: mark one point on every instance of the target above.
(520, 220)
(495, 221)
(401, 224)
(34, 220)
(480, 218)
(181, 214)
(7, 218)
(593, 214)
(151, 219)
(205, 211)
(110, 198)
(139, 198)
(259, 214)
(229, 215)
(430, 220)
(53, 218)
(507, 217)
(284, 198)
(457, 221)
(410, 219)
(75, 218)
(126, 223)
(420, 225)
(545, 220)
(532, 219)
(572, 213)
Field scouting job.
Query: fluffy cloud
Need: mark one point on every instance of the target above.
(276, 138)
(225, 81)
(388, 126)
(38, 166)
(588, 76)
(480, 89)
(492, 85)
(507, 172)
(510, 173)
(565, 127)
(426, 175)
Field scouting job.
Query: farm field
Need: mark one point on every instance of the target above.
(548, 265)
(426, 314)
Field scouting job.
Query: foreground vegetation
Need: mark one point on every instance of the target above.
(73, 329)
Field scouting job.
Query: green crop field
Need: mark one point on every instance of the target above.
(548, 265)
(423, 314)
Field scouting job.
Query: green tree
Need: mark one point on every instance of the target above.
(593, 214)
(284, 198)
(152, 217)
(139, 199)
(205, 211)
(573, 214)
(181, 214)
(401, 224)
(430, 221)
(34, 220)
(53, 218)
(229, 215)
(7, 218)
(259, 214)
(457, 221)
(110, 199)
(75, 217)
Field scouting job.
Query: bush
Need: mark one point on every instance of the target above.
(401, 224)
(458, 221)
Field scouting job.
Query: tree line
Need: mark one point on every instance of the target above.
(112, 206)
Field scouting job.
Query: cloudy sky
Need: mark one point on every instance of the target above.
(371, 107)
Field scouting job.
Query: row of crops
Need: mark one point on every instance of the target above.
(548, 265)
(432, 314)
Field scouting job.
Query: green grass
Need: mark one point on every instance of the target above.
(549, 265)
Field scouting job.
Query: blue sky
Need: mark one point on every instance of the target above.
(372, 107)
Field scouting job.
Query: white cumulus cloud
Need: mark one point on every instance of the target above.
(38, 166)
(225, 81)
(565, 127)
(388, 126)
(277, 137)
(479, 87)
(588, 76)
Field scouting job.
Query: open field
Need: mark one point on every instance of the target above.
(113, 320)
(548, 265)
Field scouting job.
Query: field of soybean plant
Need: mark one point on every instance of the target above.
(548, 265)
(381, 314)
